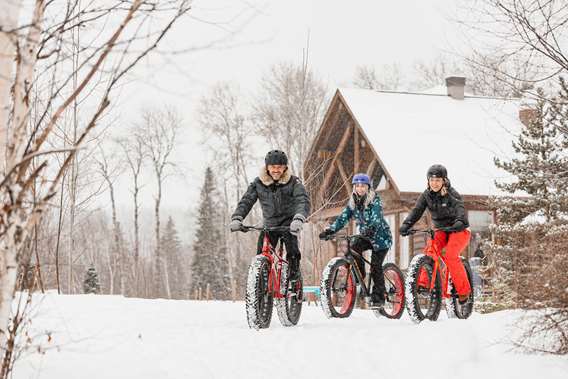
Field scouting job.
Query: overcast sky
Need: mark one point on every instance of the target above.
(252, 35)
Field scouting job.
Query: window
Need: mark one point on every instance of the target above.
(382, 185)
(392, 251)
(479, 221)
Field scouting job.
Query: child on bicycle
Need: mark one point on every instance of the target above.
(450, 221)
(365, 207)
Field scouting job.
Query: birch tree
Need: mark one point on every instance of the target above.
(40, 43)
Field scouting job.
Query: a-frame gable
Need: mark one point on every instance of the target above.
(340, 149)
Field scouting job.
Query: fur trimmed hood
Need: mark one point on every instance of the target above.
(368, 199)
(267, 180)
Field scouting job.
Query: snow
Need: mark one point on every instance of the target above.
(96, 336)
(535, 218)
(411, 131)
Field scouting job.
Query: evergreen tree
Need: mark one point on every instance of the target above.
(210, 265)
(175, 264)
(536, 203)
(91, 283)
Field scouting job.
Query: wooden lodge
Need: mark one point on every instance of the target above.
(394, 137)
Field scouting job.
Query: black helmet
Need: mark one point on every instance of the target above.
(437, 171)
(276, 157)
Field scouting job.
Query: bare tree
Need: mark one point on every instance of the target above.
(528, 35)
(229, 133)
(289, 110)
(39, 56)
(110, 169)
(135, 154)
(485, 79)
(387, 78)
(222, 115)
(159, 132)
(433, 73)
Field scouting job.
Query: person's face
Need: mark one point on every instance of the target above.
(436, 184)
(361, 189)
(276, 171)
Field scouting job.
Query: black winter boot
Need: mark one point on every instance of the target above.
(293, 268)
(377, 301)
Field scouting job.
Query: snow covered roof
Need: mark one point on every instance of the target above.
(411, 131)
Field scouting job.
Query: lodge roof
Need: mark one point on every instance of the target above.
(410, 131)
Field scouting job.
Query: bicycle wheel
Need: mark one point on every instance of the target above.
(394, 286)
(258, 298)
(453, 306)
(289, 307)
(421, 302)
(338, 291)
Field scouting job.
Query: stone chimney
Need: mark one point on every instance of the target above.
(526, 115)
(456, 87)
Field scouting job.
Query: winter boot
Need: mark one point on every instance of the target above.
(463, 299)
(377, 301)
(293, 268)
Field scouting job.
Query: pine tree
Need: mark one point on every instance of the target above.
(528, 252)
(534, 204)
(210, 265)
(176, 266)
(91, 283)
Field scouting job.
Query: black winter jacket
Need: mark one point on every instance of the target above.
(445, 210)
(280, 201)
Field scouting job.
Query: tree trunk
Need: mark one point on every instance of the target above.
(136, 237)
(15, 220)
(158, 262)
(117, 251)
(8, 20)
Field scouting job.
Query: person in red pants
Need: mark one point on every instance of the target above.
(448, 213)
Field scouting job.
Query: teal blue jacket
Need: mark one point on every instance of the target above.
(371, 216)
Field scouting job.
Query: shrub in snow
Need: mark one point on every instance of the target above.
(91, 283)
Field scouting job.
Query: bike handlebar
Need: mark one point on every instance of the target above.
(248, 228)
(431, 231)
(345, 237)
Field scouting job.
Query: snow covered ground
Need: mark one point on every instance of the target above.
(115, 337)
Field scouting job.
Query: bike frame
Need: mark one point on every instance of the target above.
(440, 266)
(349, 255)
(275, 259)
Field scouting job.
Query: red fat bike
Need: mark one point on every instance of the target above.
(428, 282)
(268, 282)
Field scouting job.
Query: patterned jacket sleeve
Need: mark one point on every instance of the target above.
(246, 203)
(376, 214)
(342, 220)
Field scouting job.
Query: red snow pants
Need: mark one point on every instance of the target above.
(455, 243)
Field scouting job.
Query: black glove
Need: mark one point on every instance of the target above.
(369, 232)
(458, 226)
(326, 234)
(403, 230)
